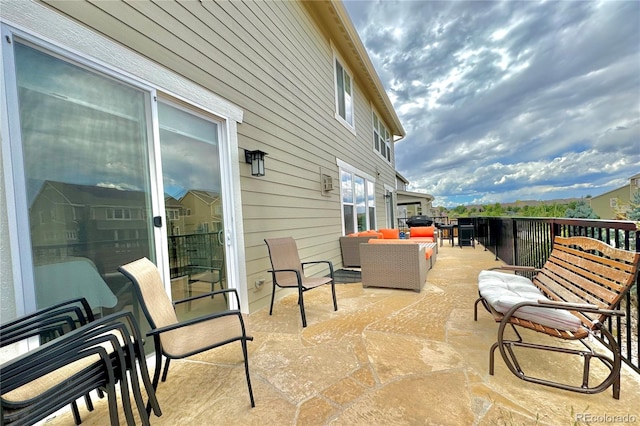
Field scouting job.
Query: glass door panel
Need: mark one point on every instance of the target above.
(85, 151)
(361, 203)
(193, 207)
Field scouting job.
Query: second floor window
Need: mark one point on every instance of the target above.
(381, 138)
(344, 94)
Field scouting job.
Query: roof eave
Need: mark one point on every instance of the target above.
(332, 15)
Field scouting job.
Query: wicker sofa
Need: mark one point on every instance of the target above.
(350, 247)
(401, 266)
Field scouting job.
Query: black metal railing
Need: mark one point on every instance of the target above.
(200, 250)
(528, 241)
(437, 220)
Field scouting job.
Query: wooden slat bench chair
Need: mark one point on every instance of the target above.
(569, 298)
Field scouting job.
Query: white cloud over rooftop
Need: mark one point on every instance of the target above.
(509, 100)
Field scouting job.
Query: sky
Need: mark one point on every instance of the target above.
(509, 100)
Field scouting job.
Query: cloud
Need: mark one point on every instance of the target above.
(509, 100)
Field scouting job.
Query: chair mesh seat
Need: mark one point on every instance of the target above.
(193, 338)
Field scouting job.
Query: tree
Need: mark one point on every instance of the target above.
(634, 207)
(459, 211)
(582, 210)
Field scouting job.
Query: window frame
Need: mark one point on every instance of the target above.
(350, 124)
(383, 140)
(370, 205)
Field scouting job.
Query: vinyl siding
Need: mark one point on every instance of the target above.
(276, 64)
(601, 203)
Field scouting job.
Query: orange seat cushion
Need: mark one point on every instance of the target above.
(422, 239)
(390, 241)
(428, 252)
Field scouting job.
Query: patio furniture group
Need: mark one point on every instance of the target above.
(390, 262)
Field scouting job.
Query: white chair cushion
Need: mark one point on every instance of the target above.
(504, 290)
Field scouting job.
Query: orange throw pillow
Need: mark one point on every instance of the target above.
(422, 231)
(388, 233)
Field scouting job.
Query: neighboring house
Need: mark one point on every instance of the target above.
(202, 212)
(103, 224)
(415, 203)
(158, 101)
(412, 203)
(610, 204)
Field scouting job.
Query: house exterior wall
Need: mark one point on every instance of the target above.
(275, 62)
(601, 204)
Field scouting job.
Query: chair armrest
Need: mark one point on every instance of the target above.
(274, 271)
(328, 262)
(515, 268)
(550, 304)
(43, 360)
(56, 320)
(316, 262)
(581, 307)
(208, 294)
(206, 268)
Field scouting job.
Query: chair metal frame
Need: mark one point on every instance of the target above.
(587, 278)
(114, 338)
(287, 246)
(144, 273)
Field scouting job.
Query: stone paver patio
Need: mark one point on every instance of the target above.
(386, 357)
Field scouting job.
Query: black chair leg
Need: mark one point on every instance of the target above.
(156, 376)
(273, 295)
(246, 370)
(301, 303)
(88, 402)
(333, 292)
(166, 370)
(76, 413)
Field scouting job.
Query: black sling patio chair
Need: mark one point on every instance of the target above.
(288, 272)
(46, 324)
(174, 339)
(96, 355)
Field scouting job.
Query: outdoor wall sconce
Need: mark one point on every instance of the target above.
(256, 159)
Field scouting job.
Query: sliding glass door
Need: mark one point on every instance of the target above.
(85, 150)
(189, 146)
(107, 170)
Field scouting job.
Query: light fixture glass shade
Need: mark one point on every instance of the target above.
(256, 159)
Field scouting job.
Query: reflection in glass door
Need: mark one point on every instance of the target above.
(193, 206)
(84, 139)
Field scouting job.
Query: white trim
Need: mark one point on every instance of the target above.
(9, 185)
(343, 166)
(346, 166)
(337, 57)
(39, 25)
(33, 20)
(387, 142)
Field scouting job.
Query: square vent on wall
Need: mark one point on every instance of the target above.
(327, 183)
